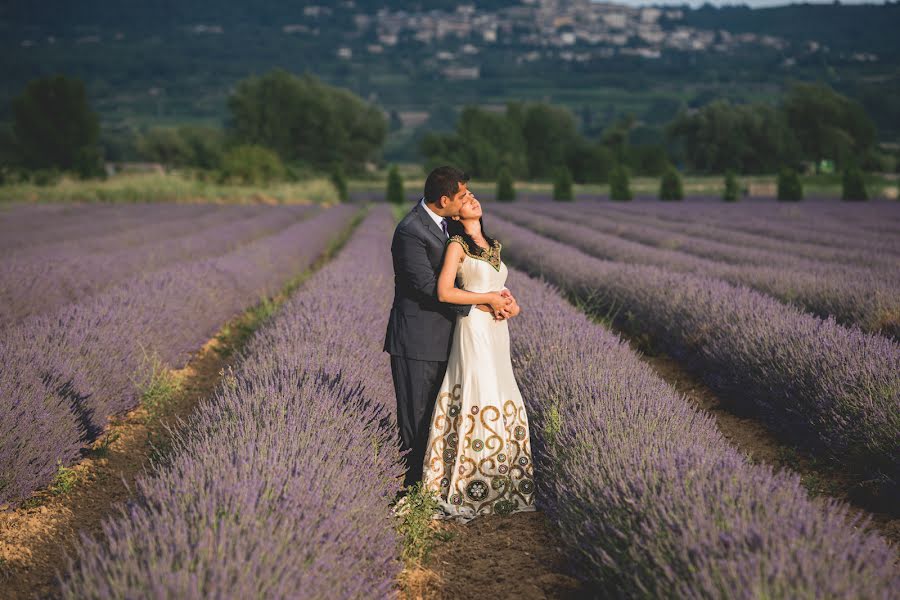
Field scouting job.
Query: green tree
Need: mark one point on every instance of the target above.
(54, 127)
(305, 120)
(753, 138)
(619, 186)
(670, 187)
(649, 159)
(789, 186)
(549, 132)
(505, 190)
(395, 192)
(483, 140)
(562, 185)
(164, 145)
(250, 164)
(339, 181)
(205, 145)
(615, 137)
(731, 187)
(828, 124)
(853, 186)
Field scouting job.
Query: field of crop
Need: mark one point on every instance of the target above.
(279, 480)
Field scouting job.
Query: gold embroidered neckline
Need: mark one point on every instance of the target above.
(489, 255)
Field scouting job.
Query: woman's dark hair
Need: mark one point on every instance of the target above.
(456, 228)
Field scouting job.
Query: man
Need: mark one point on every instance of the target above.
(420, 328)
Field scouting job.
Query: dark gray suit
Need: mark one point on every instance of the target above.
(419, 331)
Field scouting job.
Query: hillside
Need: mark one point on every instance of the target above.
(173, 62)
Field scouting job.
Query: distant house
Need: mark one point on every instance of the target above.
(460, 73)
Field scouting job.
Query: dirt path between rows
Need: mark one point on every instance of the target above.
(751, 436)
(493, 556)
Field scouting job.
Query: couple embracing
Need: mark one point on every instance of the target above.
(462, 420)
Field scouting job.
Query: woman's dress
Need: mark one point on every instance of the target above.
(478, 455)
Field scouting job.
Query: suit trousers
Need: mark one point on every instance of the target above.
(416, 385)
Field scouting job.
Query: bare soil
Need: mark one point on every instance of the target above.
(34, 539)
(493, 556)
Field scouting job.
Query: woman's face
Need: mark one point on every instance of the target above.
(470, 209)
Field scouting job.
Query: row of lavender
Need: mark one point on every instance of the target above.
(877, 256)
(866, 227)
(66, 371)
(279, 485)
(53, 275)
(648, 497)
(725, 238)
(26, 227)
(853, 295)
(830, 387)
(101, 232)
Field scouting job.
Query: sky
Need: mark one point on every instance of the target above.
(750, 3)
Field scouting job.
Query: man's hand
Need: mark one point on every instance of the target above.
(512, 308)
(498, 315)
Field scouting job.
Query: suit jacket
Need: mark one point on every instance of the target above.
(420, 327)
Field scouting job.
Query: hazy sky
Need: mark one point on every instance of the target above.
(750, 3)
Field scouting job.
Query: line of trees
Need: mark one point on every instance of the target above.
(536, 140)
(282, 125)
(279, 126)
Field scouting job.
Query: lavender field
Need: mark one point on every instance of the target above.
(280, 482)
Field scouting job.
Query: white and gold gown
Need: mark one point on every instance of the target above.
(478, 455)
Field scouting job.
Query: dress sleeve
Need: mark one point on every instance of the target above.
(459, 239)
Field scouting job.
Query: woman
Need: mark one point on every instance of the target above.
(478, 456)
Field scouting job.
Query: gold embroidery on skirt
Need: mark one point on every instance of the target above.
(501, 481)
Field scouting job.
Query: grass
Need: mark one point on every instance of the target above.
(157, 387)
(415, 529)
(65, 480)
(170, 187)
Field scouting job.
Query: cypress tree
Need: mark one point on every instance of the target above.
(505, 190)
(731, 187)
(670, 185)
(853, 187)
(395, 193)
(789, 186)
(562, 185)
(340, 183)
(619, 188)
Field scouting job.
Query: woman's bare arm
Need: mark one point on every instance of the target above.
(447, 290)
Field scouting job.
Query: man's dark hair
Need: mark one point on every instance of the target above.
(443, 181)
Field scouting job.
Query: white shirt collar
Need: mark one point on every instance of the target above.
(434, 216)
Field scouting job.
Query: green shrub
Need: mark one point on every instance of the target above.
(670, 187)
(789, 186)
(619, 187)
(395, 192)
(562, 185)
(340, 183)
(853, 187)
(250, 164)
(731, 187)
(44, 177)
(505, 190)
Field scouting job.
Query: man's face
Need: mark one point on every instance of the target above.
(453, 204)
